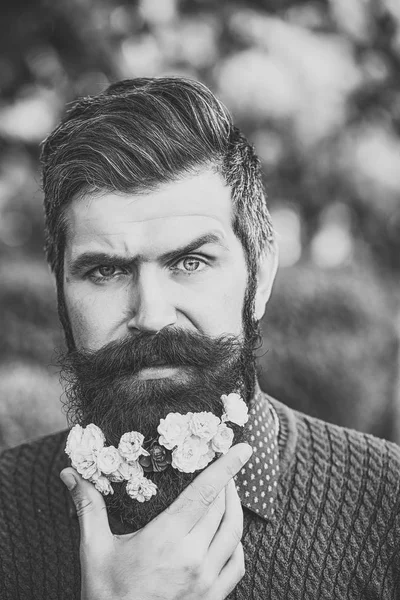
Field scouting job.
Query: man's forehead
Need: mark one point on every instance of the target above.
(205, 193)
(189, 207)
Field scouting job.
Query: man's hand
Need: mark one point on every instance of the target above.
(192, 550)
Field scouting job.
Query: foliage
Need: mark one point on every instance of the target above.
(314, 84)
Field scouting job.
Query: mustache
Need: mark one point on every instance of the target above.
(172, 347)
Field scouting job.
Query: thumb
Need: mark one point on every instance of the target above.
(89, 504)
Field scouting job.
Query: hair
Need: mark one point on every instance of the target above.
(139, 134)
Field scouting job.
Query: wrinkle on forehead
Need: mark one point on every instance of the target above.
(206, 191)
(186, 207)
(154, 209)
(151, 219)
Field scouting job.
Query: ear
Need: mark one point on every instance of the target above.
(266, 272)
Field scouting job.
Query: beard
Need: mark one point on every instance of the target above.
(104, 387)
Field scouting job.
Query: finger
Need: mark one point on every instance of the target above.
(229, 534)
(192, 504)
(204, 531)
(230, 575)
(90, 507)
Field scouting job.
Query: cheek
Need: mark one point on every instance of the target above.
(222, 310)
(93, 318)
(231, 317)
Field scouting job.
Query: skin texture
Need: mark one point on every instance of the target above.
(200, 291)
(145, 280)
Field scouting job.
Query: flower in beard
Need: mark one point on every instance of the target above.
(157, 460)
(205, 459)
(204, 425)
(85, 462)
(74, 439)
(103, 485)
(89, 438)
(126, 471)
(108, 460)
(174, 429)
(189, 454)
(130, 446)
(236, 410)
(140, 488)
(223, 439)
(83, 446)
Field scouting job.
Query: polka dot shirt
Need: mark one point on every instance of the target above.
(257, 481)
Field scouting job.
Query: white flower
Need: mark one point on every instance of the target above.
(223, 439)
(205, 459)
(141, 489)
(84, 461)
(194, 439)
(83, 444)
(130, 446)
(74, 439)
(235, 408)
(108, 460)
(187, 456)
(85, 438)
(103, 485)
(126, 471)
(204, 425)
(173, 429)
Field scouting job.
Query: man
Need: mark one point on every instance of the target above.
(164, 255)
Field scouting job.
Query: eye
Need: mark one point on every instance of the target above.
(105, 273)
(191, 264)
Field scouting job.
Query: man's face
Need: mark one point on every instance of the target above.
(154, 289)
(144, 262)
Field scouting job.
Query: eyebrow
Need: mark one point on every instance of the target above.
(90, 259)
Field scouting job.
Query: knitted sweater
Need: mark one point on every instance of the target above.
(335, 531)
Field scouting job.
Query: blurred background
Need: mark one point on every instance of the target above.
(315, 85)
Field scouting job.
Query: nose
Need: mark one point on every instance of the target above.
(151, 308)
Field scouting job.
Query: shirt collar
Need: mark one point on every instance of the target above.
(258, 480)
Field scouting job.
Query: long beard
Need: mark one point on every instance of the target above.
(103, 387)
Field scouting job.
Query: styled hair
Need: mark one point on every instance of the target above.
(140, 133)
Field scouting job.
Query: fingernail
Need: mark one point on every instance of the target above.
(69, 480)
(245, 452)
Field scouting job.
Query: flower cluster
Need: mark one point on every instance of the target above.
(188, 442)
(102, 464)
(196, 438)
